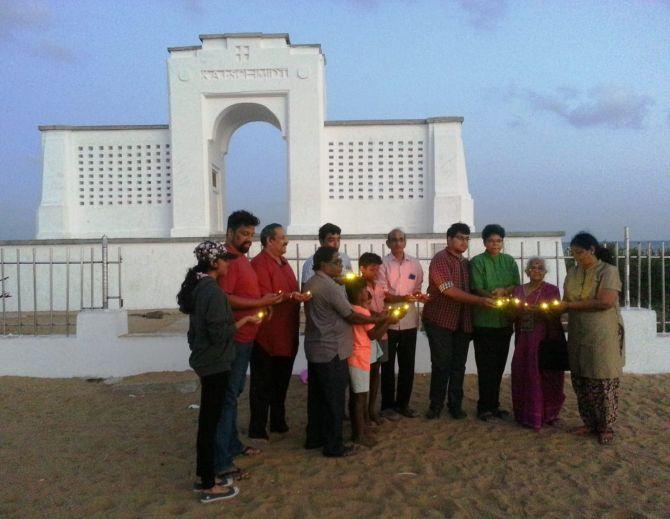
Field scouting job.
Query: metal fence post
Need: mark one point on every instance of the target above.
(105, 274)
(626, 283)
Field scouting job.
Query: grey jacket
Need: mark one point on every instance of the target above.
(211, 330)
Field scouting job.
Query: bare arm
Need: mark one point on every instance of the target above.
(461, 296)
(356, 318)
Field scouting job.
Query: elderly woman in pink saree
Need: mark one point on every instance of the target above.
(537, 395)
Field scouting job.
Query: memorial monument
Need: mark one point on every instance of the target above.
(158, 181)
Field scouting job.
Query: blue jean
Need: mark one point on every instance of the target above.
(228, 444)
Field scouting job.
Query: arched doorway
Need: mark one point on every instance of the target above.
(250, 178)
(256, 173)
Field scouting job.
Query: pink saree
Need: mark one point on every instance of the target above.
(537, 396)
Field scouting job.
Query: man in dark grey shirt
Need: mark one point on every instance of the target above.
(328, 343)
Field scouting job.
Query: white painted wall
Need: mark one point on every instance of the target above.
(115, 181)
(156, 181)
(101, 348)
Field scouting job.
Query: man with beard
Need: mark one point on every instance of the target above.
(244, 294)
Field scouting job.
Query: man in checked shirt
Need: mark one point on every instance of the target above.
(447, 319)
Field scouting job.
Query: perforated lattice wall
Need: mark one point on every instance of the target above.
(375, 169)
(124, 174)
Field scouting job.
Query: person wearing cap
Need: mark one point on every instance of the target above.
(276, 343)
(210, 338)
(241, 286)
(329, 236)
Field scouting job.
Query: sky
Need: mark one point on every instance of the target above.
(566, 104)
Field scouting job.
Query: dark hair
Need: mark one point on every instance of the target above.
(456, 228)
(328, 228)
(354, 288)
(241, 218)
(269, 232)
(369, 258)
(185, 295)
(585, 240)
(491, 229)
(323, 255)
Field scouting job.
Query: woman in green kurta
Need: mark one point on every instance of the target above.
(492, 274)
(595, 335)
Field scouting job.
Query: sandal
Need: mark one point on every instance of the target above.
(250, 451)
(236, 473)
(606, 437)
(210, 497)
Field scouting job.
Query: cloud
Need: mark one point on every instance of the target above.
(54, 52)
(17, 16)
(484, 14)
(609, 107)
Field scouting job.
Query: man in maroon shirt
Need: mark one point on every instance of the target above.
(277, 340)
(244, 295)
(447, 319)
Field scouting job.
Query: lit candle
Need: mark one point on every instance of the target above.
(406, 306)
(500, 303)
(308, 293)
(260, 315)
(555, 302)
(350, 276)
(516, 301)
(396, 312)
(544, 306)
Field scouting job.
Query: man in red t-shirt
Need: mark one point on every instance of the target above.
(276, 343)
(244, 295)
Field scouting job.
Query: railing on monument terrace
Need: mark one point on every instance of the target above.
(643, 268)
(56, 285)
(40, 293)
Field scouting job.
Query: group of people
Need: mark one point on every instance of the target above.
(246, 313)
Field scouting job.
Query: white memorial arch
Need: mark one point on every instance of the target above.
(169, 180)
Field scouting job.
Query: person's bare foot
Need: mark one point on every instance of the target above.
(581, 430)
(606, 437)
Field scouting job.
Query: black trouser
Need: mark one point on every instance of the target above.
(491, 350)
(270, 377)
(326, 389)
(212, 393)
(402, 343)
(448, 354)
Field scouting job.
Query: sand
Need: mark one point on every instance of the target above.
(72, 448)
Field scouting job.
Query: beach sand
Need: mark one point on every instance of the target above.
(77, 448)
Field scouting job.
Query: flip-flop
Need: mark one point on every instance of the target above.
(236, 473)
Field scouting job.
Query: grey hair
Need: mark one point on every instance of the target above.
(396, 229)
(539, 259)
(269, 232)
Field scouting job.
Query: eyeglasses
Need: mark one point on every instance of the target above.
(337, 261)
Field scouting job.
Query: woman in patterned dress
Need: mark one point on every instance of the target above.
(595, 335)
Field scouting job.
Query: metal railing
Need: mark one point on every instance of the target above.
(642, 267)
(39, 289)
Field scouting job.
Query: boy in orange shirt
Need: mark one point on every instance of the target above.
(359, 361)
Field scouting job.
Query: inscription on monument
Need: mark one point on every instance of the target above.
(245, 73)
